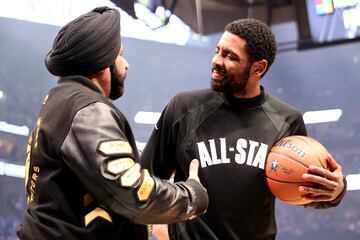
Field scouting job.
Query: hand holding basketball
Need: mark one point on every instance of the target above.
(329, 183)
(299, 170)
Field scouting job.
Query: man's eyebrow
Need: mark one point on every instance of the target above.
(228, 50)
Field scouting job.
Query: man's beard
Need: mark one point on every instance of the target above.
(117, 84)
(229, 84)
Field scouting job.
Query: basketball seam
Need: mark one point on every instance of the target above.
(276, 180)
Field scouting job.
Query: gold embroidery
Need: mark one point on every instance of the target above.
(119, 165)
(38, 122)
(114, 147)
(97, 212)
(27, 162)
(131, 176)
(45, 99)
(33, 181)
(146, 188)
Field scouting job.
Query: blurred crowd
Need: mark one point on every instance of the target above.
(12, 207)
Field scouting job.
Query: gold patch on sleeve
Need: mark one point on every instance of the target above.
(97, 212)
(146, 188)
(119, 165)
(131, 176)
(114, 147)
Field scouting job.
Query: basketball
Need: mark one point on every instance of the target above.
(287, 161)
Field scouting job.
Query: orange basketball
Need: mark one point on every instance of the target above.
(287, 161)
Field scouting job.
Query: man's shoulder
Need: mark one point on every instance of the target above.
(199, 96)
(196, 101)
(281, 106)
(279, 112)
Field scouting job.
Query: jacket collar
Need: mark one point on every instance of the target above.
(80, 80)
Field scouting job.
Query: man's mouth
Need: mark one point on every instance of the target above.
(217, 74)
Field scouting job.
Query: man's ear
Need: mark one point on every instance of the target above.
(258, 68)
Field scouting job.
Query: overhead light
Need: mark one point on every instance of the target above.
(12, 170)
(58, 13)
(2, 95)
(353, 182)
(147, 117)
(140, 145)
(14, 129)
(51, 12)
(331, 115)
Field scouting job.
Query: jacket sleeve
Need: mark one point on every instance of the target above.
(98, 152)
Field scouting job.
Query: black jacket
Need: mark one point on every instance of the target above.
(231, 138)
(83, 180)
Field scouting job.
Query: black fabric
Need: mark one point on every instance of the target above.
(231, 138)
(65, 167)
(59, 212)
(86, 45)
(201, 200)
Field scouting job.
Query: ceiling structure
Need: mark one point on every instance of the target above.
(210, 16)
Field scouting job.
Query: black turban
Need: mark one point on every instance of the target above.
(86, 45)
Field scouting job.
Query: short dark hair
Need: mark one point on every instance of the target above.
(260, 40)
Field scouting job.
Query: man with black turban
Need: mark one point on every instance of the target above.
(83, 179)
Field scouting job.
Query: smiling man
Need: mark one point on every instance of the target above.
(231, 129)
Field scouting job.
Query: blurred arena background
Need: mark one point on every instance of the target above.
(317, 70)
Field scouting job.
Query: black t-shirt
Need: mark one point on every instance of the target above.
(231, 138)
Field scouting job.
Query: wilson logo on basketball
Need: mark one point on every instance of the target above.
(288, 145)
